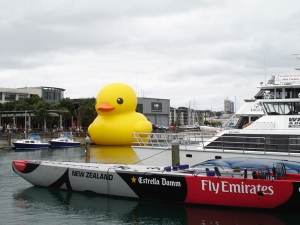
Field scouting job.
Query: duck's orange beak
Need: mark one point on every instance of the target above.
(105, 107)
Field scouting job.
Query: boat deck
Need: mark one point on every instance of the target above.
(278, 173)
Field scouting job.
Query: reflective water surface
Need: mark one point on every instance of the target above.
(22, 203)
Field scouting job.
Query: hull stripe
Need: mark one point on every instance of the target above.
(64, 179)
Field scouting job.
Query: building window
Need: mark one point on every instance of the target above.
(58, 96)
(51, 95)
(45, 95)
(139, 108)
(22, 96)
(0, 96)
(10, 96)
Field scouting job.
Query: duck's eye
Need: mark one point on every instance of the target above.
(120, 101)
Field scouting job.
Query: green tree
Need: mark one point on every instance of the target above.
(33, 101)
(86, 112)
(42, 115)
(22, 105)
(9, 106)
(66, 104)
(219, 113)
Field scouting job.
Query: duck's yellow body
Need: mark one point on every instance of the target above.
(117, 119)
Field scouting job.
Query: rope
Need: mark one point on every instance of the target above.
(151, 156)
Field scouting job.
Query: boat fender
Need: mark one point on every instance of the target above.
(183, 166)
(168, 168)
(210, 173)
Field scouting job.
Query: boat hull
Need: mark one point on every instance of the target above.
(59, 144)
(30, 145)
(193, 155)
(138, 181)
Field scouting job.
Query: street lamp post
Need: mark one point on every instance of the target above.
(87, 151)
(25, 125)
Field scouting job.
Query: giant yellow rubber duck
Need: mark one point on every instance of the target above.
(117, 118)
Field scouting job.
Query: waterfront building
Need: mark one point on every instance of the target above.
(228, 106)
(186, 116)
(156, 110)
(49, 94)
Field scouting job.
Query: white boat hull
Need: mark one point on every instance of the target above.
(160, 156)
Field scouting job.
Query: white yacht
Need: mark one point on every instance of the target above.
(268, 127)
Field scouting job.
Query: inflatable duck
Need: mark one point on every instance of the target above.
(117, 118)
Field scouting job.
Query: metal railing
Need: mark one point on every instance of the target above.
(297, 145)
(163, 140)
(223, 143)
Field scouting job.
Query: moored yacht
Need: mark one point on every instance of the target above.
(268, 126)
(32, 142)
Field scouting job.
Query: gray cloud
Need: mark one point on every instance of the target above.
(186, 51)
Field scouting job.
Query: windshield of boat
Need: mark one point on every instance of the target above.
(278, 93)
(282, 108)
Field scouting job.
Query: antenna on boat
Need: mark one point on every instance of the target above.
(235, 104)
(265, 70)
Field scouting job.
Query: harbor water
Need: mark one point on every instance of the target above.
(22, 203)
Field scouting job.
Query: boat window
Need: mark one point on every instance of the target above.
(279, 108)
(31, 141)
(289, 92)
(278, 93)
(297, 93)
(296, 108)
(285, 108)
(26, 141)
(271, 108)
(268, 94)
(260, 94)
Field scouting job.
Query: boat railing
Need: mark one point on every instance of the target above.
(294, 145)
(164, 140)
(239, 143)
(262, 144)
(222, 143)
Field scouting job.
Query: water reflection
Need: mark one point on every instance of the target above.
(99, 154)
(113, 154)
(132, 211)
(63, 154)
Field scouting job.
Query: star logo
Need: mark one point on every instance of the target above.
(133, 179)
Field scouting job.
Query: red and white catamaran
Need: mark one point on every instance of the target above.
(236, 188)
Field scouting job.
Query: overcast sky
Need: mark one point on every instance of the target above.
(191, 52)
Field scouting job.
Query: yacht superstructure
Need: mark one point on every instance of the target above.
(268, 126)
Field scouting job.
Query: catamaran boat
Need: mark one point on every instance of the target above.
(278, 189)
(268, 126)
